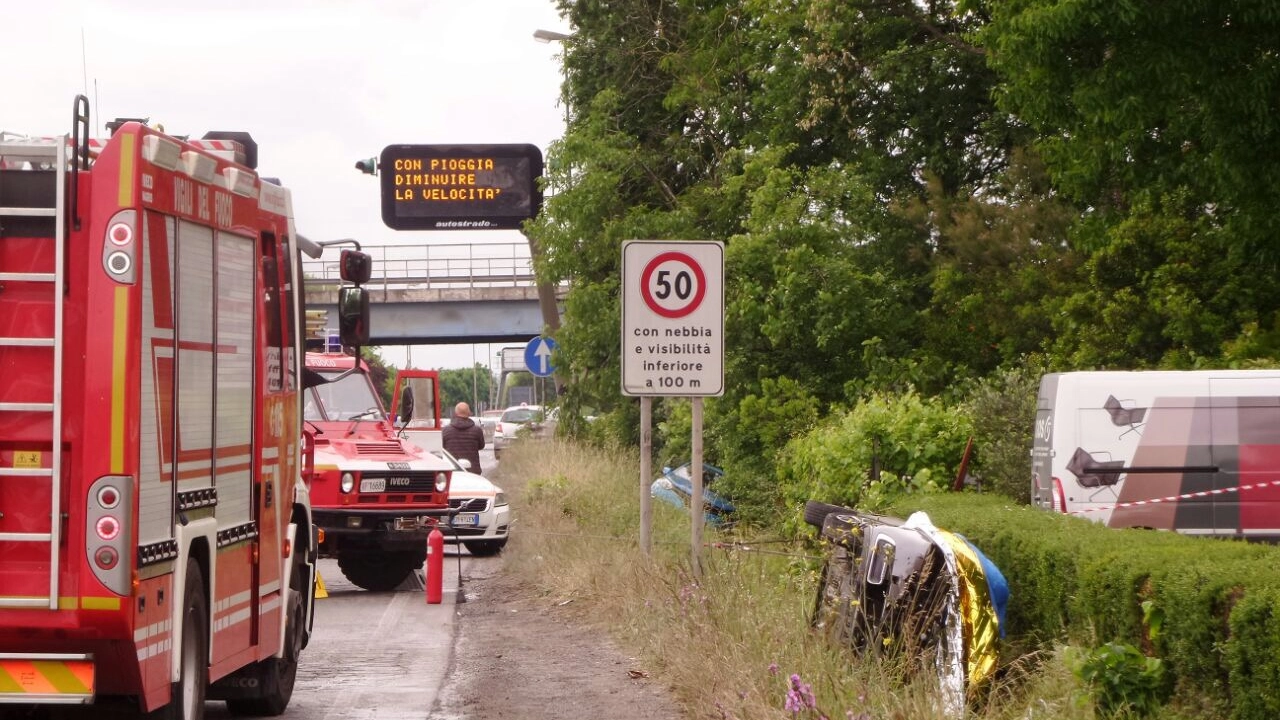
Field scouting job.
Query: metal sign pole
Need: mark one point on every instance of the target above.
(646, 470)
(696, 501)
(673, 346)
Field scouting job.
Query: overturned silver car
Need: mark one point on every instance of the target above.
(893, 587)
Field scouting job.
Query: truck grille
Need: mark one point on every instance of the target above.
(404, 481)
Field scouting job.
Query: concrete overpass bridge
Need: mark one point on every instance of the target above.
(439, 293)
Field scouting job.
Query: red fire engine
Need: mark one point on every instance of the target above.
(376, 496)
(155, 533)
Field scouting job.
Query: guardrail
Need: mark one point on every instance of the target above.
(436, 265)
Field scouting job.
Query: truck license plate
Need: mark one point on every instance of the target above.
(471, 519)
(373, 485)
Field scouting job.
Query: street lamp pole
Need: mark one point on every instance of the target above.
(546, 292)
(548, 36)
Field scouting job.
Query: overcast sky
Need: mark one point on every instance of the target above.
(318, 83)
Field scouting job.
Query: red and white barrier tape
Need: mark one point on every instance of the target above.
(1184, 496)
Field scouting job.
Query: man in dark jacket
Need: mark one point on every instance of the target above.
(463, 438)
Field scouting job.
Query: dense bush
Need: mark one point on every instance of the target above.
(915, 442)
(753, 440)
(1002, 407)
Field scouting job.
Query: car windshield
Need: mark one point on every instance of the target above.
(521, 415)
(350, 398)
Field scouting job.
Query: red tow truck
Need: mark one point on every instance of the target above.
(375, 495)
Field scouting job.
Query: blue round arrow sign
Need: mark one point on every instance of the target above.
(537, 356)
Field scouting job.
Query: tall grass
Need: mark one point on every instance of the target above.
(734, 642)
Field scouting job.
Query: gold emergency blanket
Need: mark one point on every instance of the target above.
(981, 625)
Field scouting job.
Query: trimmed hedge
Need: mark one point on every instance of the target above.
(1214, 604)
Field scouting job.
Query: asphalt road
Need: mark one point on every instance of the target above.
(373, 655)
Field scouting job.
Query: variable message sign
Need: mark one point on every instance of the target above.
(459, 187)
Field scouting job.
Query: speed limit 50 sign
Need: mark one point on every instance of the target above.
(672, 318)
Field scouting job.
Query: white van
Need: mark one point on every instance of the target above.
(1197, 452)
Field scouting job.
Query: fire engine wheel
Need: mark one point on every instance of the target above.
(277, 676)
(378, 571)
(186, 699)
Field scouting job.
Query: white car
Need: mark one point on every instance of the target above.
(483, 521)
(517, 421)
(489, 422)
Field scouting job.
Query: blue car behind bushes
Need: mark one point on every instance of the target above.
(675, 487)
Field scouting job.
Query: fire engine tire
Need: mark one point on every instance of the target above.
(815, 512)
(277, 676)
(186, 701)
(378, 571)
(485, 548)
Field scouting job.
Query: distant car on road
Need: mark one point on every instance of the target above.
(520, 421)
(488, 422)
(483, 521)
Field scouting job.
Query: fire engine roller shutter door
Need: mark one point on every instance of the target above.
(234, 372)
(195, 357)
(155, 505)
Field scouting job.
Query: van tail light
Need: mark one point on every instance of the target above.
(1059, 497)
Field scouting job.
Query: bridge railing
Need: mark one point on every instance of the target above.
(435, 265)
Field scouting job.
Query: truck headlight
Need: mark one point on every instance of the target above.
(348, 482)
(442, 481)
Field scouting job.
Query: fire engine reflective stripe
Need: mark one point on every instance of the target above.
(155, 648)
(270, 605)
(153, 639)
(227, 603)
(69, 603)
(100, 603)
(153, 629)
(119, 350)
(46, 677)
(126, 170)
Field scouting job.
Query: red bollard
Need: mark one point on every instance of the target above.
(435, 566)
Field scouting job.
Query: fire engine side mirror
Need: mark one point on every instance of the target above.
(406, 404)
(353, 316)
(355, 266)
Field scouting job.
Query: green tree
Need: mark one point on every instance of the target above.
(380, 374)
(1159, 121)
(914, 195)
(470, 385)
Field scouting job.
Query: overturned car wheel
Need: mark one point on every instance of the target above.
(815, 512)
